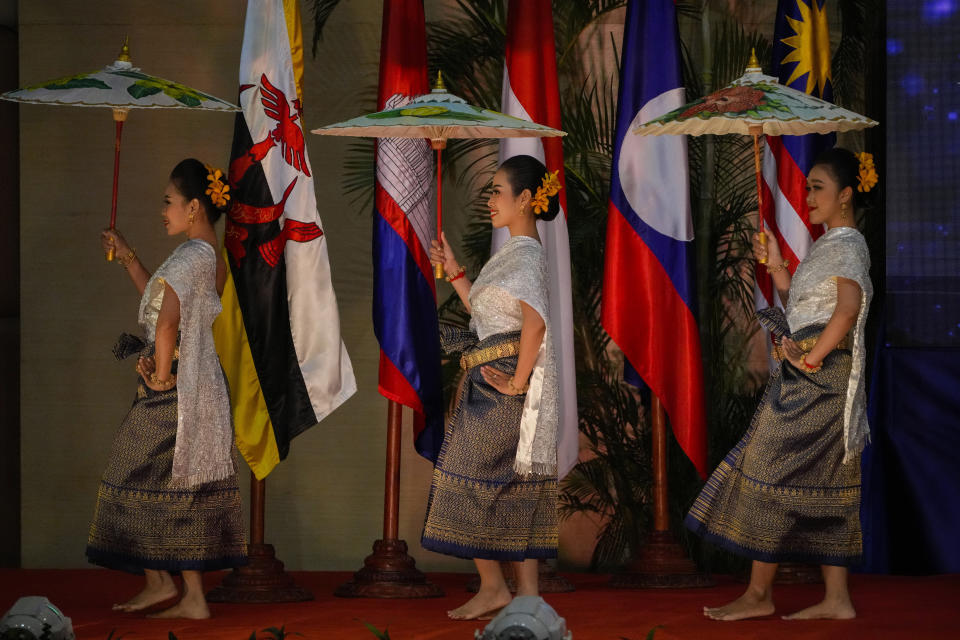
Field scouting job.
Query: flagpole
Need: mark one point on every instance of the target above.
(263, 580)
(660, 562)
(390, 572)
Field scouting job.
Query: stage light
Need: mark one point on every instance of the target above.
(33, 618)
(526, 618)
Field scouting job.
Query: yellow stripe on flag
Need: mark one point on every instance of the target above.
(291, 10)
(251, 421)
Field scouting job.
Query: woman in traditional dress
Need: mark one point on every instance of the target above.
(169, 501)
(790, 490)
(493, 497)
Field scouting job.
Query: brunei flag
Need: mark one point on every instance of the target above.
(279, 334)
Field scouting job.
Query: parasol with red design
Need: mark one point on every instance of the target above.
(756, 104)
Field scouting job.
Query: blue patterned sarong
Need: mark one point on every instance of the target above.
(479, 507)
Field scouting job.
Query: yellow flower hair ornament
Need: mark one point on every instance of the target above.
(868, 173)
(217, 190)
(549, 187)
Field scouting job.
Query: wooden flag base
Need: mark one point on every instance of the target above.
(262, 581)
(548, 579)
(389, 572)
(661, 564)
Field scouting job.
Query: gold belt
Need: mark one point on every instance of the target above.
(807, 344)
(488, 354)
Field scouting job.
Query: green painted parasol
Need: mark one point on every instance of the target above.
(121, 87)
(438, 116)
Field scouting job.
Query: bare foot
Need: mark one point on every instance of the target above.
(151, 595)
(490, 615)
(825, 610)
(191, 609)
(749, 605)
(483, 604)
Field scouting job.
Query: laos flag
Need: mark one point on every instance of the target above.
(404, 294)
(649, 296)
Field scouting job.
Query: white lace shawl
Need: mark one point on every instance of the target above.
(517, 272)
(204, 444)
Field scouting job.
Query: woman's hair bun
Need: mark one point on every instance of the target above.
(526, 172)
(190, 179)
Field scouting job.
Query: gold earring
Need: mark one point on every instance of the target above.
(190, 218)
(843, 209)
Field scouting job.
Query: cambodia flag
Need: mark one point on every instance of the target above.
(404, 293)
(648, 305)
(531, 92)
(801, 60)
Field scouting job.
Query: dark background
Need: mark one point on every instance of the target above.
(923, 182)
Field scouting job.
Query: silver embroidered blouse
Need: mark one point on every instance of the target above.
(839, 253)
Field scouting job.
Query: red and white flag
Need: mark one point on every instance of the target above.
(803, 63)
(530, 92)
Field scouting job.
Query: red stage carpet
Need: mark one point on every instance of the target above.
(888, 607)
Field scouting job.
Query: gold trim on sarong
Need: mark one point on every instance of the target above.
(807, 344)
(488, 354)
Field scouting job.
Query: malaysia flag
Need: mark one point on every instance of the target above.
(801, 60)
(404, 296)
(531, 92)
(649, 296)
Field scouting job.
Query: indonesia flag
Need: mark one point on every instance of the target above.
(801, 60)
(404, 295)
(648, 286)
(530, 91)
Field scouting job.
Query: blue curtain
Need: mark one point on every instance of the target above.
(911, 471)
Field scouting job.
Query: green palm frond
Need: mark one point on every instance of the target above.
(359, 174)
(848, 60)
(321, 10)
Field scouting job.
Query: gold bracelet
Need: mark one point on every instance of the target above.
(514, 388)
(169, 383)
(455, 275)
(779, 267)
(127, 259)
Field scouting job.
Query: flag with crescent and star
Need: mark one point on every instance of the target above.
(279, 334)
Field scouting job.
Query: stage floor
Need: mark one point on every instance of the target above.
(888, 607)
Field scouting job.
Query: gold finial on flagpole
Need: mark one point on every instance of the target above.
(753, 64)
(439, 86)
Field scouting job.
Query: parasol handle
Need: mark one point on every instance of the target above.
(119, 117)
(439, 144)
(756, 131)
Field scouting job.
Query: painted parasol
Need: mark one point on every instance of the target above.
(438, 116)
(121, 87)
(756, 104)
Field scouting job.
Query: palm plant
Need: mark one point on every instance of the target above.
(613, 481)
